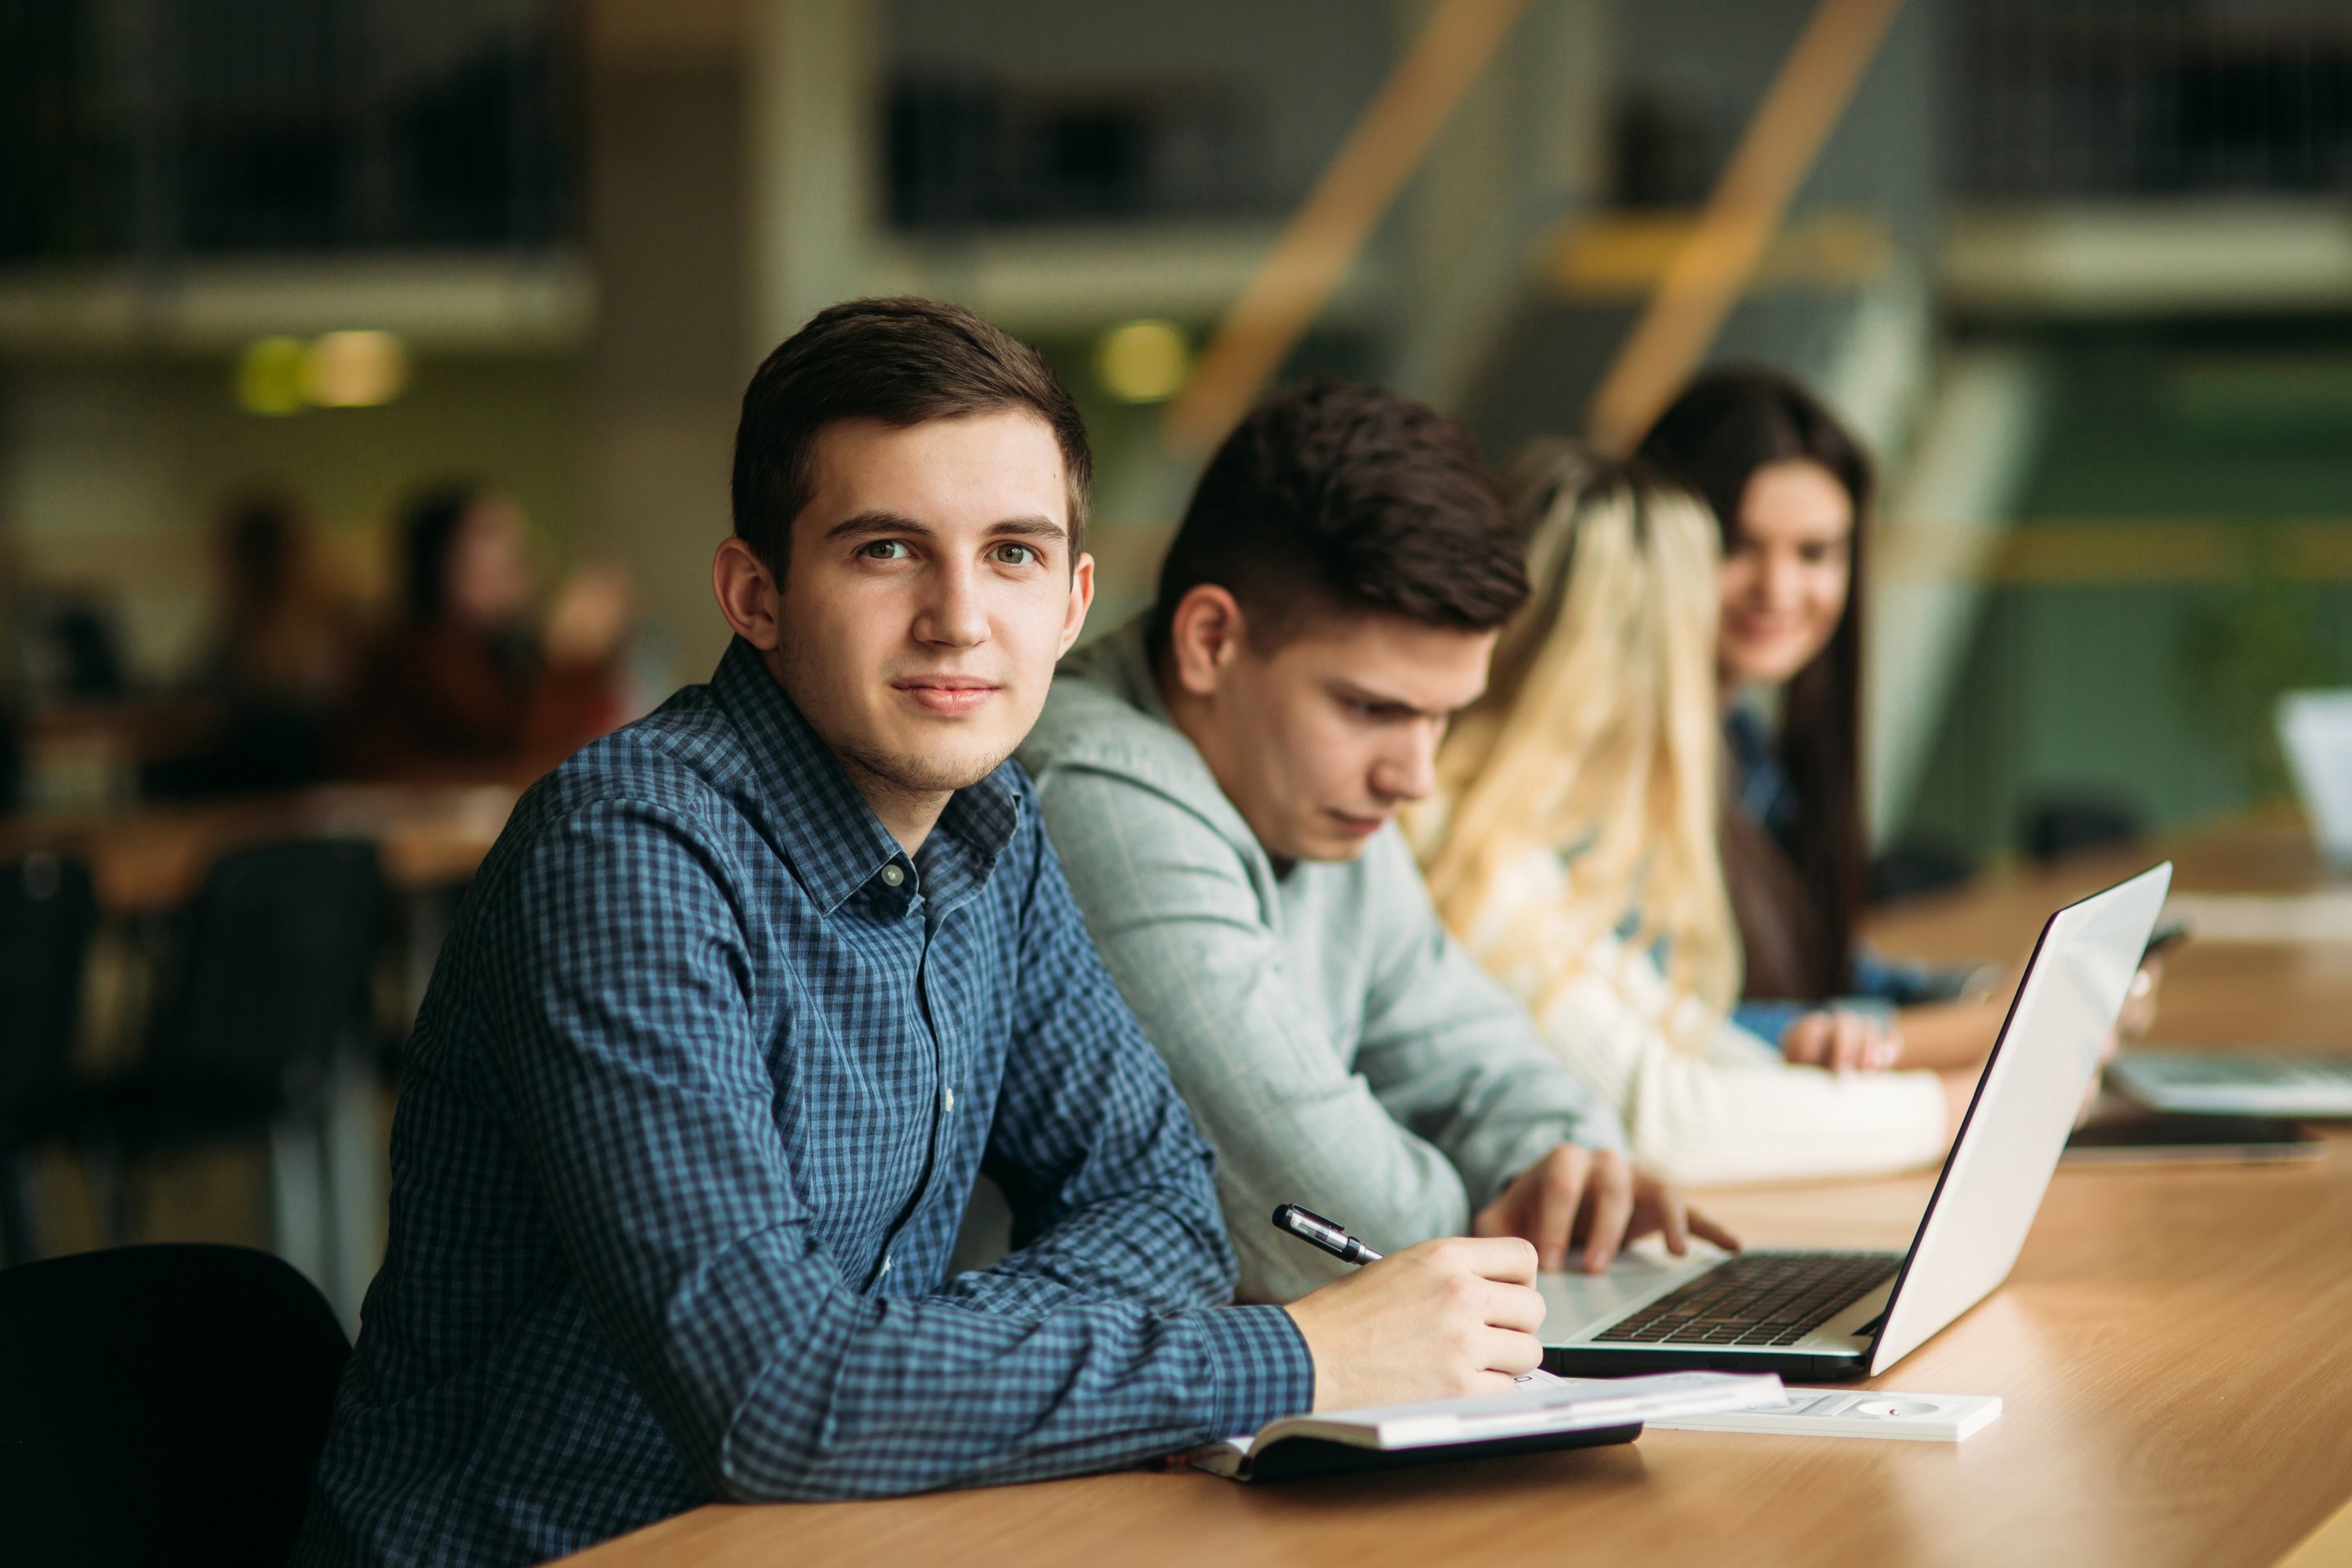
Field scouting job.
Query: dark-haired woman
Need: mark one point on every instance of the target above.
(1790, 489)
(463, 685)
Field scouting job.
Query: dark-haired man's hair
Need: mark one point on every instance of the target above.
(1346, 499)
(898, 361)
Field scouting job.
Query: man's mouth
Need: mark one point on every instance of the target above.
(1351, 823)
(947, 694)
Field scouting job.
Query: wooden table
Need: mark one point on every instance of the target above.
(150, 857)
(2174, 1349)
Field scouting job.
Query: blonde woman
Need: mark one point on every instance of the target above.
(1571, 846)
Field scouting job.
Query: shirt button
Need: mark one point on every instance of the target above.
(885, 1264)
(948, 1095)
(893, 875)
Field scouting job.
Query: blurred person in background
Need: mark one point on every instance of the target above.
(465, 685)
(1570, 846)
(281, 663)
(1790, 489)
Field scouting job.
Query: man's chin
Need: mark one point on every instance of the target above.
(1327, 846)
(936, 775)
(915, 769)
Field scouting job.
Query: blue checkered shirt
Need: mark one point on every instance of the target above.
(695, 1103)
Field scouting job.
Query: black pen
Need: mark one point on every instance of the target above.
(1309, 1226)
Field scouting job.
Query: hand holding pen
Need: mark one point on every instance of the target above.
(1446, 1317)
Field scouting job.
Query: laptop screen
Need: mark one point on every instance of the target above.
(2032, 1087)
(2315, 730)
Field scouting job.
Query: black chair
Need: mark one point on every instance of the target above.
(2071, 822)
(270, 976)
(160, 1405)
(1911, 866)
(47, 914)
(12, 763)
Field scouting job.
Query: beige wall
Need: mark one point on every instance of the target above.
(667, 362)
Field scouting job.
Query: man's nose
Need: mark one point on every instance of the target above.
(951, 613)
(1409, 771)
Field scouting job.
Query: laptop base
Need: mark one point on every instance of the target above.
(1636, 1360)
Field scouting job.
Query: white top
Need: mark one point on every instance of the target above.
(1725, 1107)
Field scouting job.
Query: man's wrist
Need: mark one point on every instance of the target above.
(1260, 1368)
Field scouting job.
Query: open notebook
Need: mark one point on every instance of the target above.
(1542, 1413)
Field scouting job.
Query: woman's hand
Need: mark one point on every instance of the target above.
(1842, 1041)
(2139, 1002)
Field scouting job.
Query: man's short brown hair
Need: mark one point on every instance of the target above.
(903, 363)
(1339, 498)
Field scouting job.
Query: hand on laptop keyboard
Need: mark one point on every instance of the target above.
(1598, 1200)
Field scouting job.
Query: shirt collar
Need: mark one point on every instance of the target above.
(831, 836)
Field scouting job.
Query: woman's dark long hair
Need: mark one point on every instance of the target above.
(428, 528)
(1726, 424)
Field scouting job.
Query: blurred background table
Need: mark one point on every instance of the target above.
(148, 858)
(2170, 1350)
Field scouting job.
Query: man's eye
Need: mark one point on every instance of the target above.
(884, 550)
(1017, 555)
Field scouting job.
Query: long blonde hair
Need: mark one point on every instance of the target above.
(1597, 737)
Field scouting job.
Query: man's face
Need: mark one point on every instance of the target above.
(1320, 743)
(928, 592)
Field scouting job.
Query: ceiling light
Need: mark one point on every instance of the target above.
(1143, 361)
(270, 376)
(354, 370)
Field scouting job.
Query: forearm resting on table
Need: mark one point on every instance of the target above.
(1949, 1034)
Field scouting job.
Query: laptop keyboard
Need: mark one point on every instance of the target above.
(1754, 1298)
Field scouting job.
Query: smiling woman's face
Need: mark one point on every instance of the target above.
(486, 573)
(1786, 572)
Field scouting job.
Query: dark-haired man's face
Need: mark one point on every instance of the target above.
(1320, 741)
(928, 592)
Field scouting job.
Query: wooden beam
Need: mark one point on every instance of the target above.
(1715, 264)
(1324, 238)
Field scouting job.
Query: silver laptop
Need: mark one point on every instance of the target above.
(2315, 730)
(1854, 1314)
(2319, 1087)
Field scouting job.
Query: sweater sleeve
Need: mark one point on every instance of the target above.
(1724, 1111)
(1172, 906)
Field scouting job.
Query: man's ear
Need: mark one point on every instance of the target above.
(1205, 635)
(1082, 597)
(747, 593)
